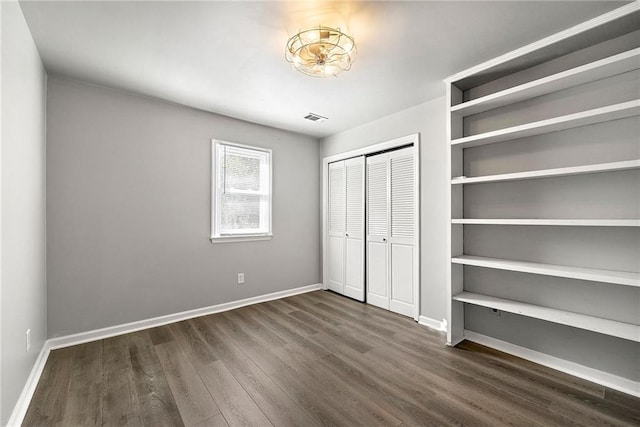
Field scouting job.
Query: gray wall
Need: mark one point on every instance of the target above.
(128, 210)
(22, 231)
(428, 119)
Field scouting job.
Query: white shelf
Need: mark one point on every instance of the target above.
(614, 328)
(625, 278)
(549, 173)
(569, 121)
(611, 66)
(561, 222)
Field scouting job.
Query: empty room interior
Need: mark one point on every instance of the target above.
(306, 213)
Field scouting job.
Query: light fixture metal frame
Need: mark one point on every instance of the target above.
(321, 51)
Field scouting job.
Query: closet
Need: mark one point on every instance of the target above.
(371, 229)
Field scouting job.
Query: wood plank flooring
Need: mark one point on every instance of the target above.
(309, 360)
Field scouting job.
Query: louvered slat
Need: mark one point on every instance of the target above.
(355, 188)
(336, 198)
(402, 197)
(377, 199)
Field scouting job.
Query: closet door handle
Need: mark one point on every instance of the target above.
(346, 234)
(384, 239)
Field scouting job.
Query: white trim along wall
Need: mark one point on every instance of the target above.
(594, 375)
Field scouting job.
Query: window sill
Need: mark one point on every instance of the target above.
(237, 239)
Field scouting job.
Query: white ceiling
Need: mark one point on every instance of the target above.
(228, 57)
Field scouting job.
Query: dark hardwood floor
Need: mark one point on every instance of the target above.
(309, 360)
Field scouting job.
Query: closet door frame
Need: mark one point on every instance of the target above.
(364, 151)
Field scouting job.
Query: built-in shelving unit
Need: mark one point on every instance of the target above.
(614, 328)
(536, 93)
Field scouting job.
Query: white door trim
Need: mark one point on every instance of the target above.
(370, 149)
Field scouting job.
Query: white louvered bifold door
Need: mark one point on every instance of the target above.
(354, 242)
(391, 211)
(402, 238)
(336, 226)
(377, 230)
(354, 235)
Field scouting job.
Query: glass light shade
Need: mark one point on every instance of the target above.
(321, 51)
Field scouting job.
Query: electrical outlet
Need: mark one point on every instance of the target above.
(240, 278)
(28, 339)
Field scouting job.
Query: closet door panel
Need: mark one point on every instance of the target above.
(354, 269)
(337, 209)
(402, 298)
(337, 202)
(402, 196)
(377, 196)
(377, 230)
(354, 169)
(354, 242)
(401, 241)
(377, 272)
(336, 264)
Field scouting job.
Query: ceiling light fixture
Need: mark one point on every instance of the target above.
(321, 51)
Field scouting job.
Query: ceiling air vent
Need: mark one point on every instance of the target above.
(315, 117)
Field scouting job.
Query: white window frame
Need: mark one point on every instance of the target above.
(240, 235)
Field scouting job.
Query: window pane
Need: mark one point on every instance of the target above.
(240, 212)
(243, 173)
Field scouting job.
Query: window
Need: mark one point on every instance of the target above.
(241, 196)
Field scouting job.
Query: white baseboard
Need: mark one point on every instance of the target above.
(20, 410)
(599, 377)
(433, 323)
(112, 331)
